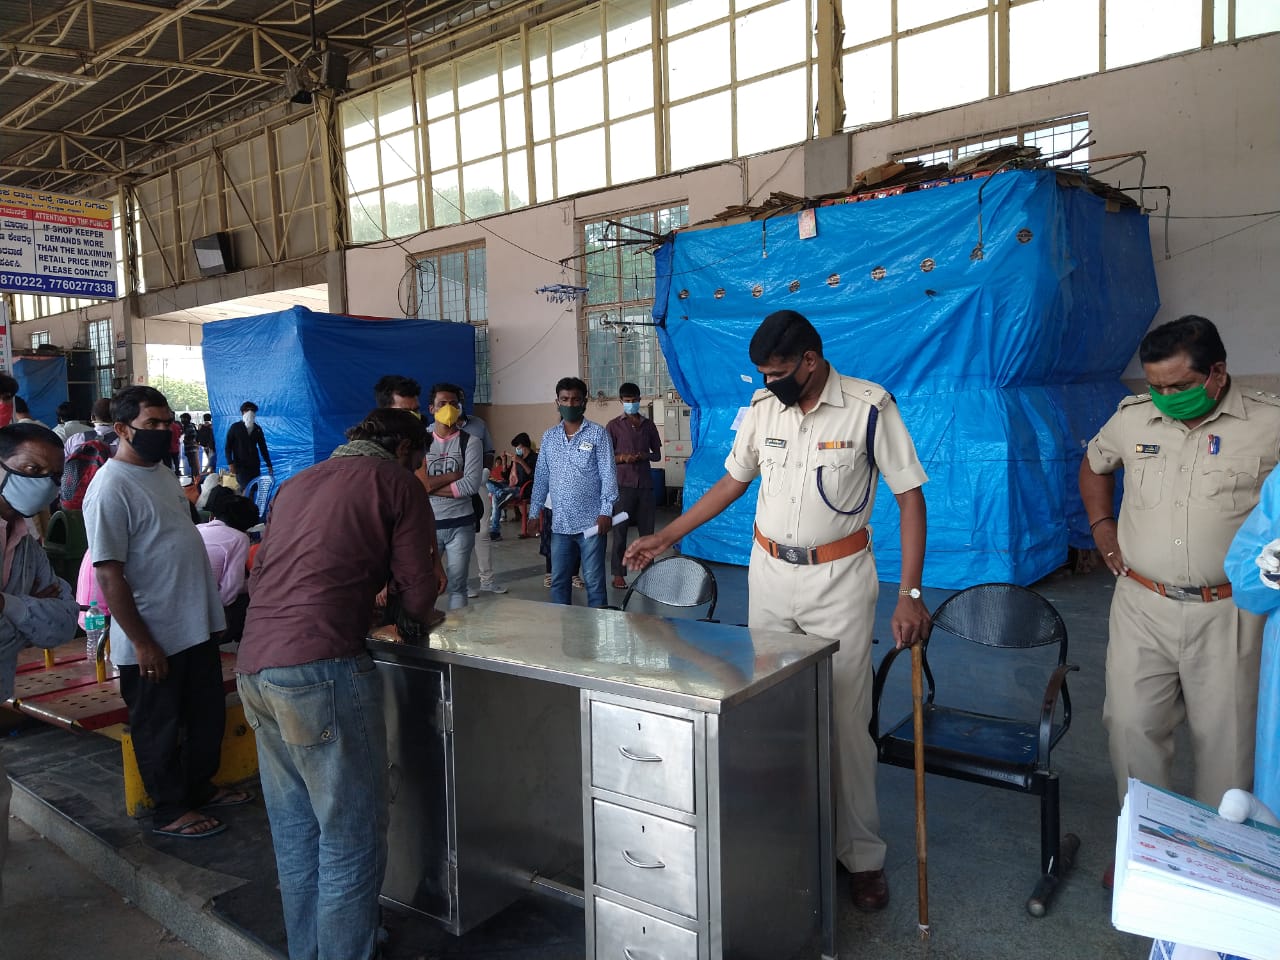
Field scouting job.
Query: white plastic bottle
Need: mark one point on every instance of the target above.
(95, 624)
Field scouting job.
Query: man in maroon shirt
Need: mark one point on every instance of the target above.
(338, 532)
(635, 446)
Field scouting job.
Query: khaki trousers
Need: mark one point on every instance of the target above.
(1172, 660)
(836, 600)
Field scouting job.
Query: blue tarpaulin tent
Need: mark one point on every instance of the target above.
(42, 382)
(312, 374)
(1005, 358)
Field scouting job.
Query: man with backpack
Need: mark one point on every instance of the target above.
(190, 446)
(85, 453)
(453, 473)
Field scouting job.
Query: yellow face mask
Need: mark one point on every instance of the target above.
(447, 415)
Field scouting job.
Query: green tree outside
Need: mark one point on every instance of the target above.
(182, 394)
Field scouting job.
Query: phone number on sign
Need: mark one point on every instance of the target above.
(35, 282)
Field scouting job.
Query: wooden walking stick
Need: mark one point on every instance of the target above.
(922, 856)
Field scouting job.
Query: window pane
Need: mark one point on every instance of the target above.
(538, 55)
(770, 39)
(439, 91)
(915, 13)
(867, 77)
(579, 101)
(700, 131)
(399, 157)
(628, 25)
(477, 78)
(575, 42)
(542, 178)
(512, 67)
(481, 131)
(698, 63)
(1068, 28)
(442, 140)
(517, 179)
(477, 286)
(404, 212)
(930, 72)
(365, 217)
(1256, 16)
(362, 168)
(631, 149)
(540, 106)
(482, 183)
(580, 162)
(631, 85)
(865, 20)
(772, 113)
(357, 121)
(683, 15)
(444, 197)
(1134, 34)
(395, 108)
(513, 120)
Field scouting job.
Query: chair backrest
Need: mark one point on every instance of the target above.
(676, 582)
(1002, 615)
(259, 491)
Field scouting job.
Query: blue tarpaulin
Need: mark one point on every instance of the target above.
(312, 374)
(42, 382)
(1003, 364)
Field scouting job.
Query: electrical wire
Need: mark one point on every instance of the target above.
(546, 333)
(1247, 226)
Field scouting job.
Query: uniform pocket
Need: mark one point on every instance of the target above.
(1144, 482)
(842, 483)
(1230, 484)
(773, 474)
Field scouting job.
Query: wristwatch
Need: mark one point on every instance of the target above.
(913, 593)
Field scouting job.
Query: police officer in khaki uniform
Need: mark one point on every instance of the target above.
(812, 569)
(1195, 452)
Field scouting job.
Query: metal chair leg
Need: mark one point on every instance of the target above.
(1057, 856)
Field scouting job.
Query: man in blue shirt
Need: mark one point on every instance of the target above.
(575, 465)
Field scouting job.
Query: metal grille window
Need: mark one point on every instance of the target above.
(103, 354)
(453, 285)
(1051, 136)
(615, 322)
(40, 338)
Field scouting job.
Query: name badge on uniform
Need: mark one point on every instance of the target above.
(774, 442)
(585, 446)
(1146, 448)
(835, 444)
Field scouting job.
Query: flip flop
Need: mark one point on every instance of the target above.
(182, 834)
(229, 798)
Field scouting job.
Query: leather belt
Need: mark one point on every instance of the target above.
(803, 556)
(1197, 594)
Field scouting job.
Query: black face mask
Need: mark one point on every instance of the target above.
(151, 445)
(788, 389)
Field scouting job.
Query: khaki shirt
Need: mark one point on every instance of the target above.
(786, 447)
(1183, 504)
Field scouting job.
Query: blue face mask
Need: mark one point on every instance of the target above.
(631, 406)
(27, 495)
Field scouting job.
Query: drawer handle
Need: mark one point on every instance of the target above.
(639, 757)
(643, 864)
(635, 954)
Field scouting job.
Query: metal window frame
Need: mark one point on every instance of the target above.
(484, 385)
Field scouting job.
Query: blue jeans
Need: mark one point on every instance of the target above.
(456, 544)
(322, 757)
(566, 550)
(496, 490)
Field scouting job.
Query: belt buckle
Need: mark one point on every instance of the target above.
(794, 555)
(1182, 593)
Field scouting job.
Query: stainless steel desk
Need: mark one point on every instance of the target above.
(674, 774)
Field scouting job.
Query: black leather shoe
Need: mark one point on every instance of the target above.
(870, 891)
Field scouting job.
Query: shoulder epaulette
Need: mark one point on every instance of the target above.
(1262, 396)
(1133, 398)
(762, 394)
(864, 390)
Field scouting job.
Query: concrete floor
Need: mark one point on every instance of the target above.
(220, 896)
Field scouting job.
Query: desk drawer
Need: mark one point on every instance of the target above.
(644, 755)
(624, 934)
(646, 857)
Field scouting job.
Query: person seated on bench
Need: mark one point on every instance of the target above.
(227, 543)
(166, 616)
(36, 607)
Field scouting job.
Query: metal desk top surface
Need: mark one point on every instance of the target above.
(683, 663)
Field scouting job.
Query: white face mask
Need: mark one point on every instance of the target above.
(248, 417)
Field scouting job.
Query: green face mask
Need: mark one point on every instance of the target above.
(571, 414)
(1185, 404)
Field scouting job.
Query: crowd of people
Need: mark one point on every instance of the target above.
(1196, 450)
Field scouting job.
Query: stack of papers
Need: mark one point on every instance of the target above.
(1184, 874)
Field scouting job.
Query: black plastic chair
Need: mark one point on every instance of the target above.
(676, 582)
(1012, 753)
